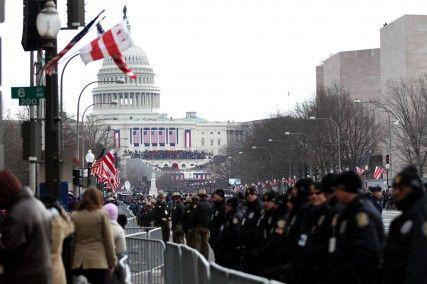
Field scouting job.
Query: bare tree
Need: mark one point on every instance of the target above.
(408, 102)
(96, 136)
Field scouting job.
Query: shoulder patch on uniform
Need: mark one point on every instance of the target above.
(251, 215)
(362, 219)
(235, 220)
(406, 227)
(424, 228)
(281, 224)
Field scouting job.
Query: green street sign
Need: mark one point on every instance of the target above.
(28, 92)
(28, 102)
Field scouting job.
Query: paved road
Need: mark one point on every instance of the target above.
(388, 216)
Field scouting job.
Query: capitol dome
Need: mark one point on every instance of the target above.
(134, 96)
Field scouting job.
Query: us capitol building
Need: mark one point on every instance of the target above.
(140, 128)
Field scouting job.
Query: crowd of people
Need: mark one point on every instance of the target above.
(316, 232)
(169, 154)
(41, 243)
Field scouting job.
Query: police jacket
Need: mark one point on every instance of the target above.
(377, 202)
(269, 241)
(201, 214)
(217, 219)
(250, 220)
(356, 244)
(228, 241)
(160, 214)
(189, 219)
(177, 213)
(406, 250)
(308, 263)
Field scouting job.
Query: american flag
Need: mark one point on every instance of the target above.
(105, 170)
(172, 136)
(154, 136)
(117, 138)
(146, 136)
(53, 63)
(162, 137)
(360, 171)
(378, 172)
(136, 137)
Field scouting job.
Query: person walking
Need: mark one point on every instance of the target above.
(24, 235)
(177, 216)
(201, 214)
(357, 237)
(94, 254)
(406, 249)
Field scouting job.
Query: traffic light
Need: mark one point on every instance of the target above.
(75, 14)
(76, 178)
(31, 40)
(387, 159)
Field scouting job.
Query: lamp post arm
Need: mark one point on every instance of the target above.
(78, 115)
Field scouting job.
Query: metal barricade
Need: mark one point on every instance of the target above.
(132, 222)
(173, 267)
(238, 277)
(218, 274)
(133, 230)
(155, 234)
(146, 259)
(202, 268)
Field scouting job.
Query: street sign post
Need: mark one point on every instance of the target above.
(28, 92)
(28, 96)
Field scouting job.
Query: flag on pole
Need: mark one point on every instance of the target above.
(110, 43)
(105, 170)
(360, 171)
(53, 63)
(378, 172)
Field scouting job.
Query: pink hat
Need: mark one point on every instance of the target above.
(112, 210)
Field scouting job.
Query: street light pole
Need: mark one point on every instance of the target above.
(78, 111)
(338, 136)
(48, 25)
(113, 103)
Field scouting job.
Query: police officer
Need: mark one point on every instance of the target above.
(177, 216)
(251, 218)
(200, 216)
(189, 220)
(376, 197)
(308, 264)
(217, 218)
(355, 246)
(406, 249)
(161, 216)
(228, 236)
(270, 236)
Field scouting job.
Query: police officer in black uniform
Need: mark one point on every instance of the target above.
(228, 236)
(251, 219)
(216, 219)
(406, 250)
(161, 216)
(189, 220)
(376, 197)
(356, 244)
(270, 236)
(177, 217)
(308, 263)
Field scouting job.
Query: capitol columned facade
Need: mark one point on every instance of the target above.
(138, 126)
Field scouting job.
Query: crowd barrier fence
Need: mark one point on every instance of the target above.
(146, 259)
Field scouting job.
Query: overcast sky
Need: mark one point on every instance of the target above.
(226, 59)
